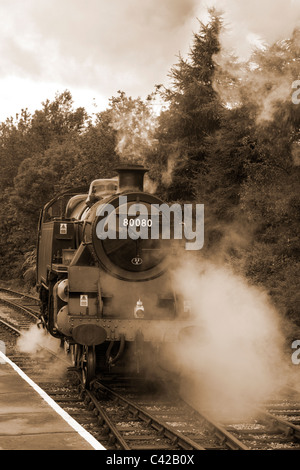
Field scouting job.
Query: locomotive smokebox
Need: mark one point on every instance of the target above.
(131, 177)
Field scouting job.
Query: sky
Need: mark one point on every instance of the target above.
(96, 47)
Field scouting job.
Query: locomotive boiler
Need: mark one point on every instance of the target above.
(104, 280)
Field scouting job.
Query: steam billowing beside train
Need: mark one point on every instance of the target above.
(110, 298)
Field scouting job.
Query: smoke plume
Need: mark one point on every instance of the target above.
(135, 125)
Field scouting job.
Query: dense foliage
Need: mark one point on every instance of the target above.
(225, 138)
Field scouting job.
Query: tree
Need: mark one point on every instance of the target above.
(36, 154)
(193, 112)
(15, 146)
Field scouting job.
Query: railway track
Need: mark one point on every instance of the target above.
(273, 426)
(266, 431)
(151, 419)
(124, 413)
(147, 421)
(23, 309)
(19, 294)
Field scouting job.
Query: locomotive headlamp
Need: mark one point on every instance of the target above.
(139, 311)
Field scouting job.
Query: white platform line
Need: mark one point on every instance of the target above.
(76, 426)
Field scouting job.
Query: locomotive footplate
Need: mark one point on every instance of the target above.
(153, 331)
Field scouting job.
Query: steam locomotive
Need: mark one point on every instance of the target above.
(110, 299)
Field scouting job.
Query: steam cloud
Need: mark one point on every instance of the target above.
(38, 343)
(235, 359)
(250, 25)
(35, 339)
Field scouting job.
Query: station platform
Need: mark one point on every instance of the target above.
(31, 420)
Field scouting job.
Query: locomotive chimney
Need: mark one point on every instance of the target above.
(131, 177)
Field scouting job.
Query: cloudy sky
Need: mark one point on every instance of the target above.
(96, 47)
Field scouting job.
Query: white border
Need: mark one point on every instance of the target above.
(76, 426)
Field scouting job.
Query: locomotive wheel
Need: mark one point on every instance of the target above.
(88, 365)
